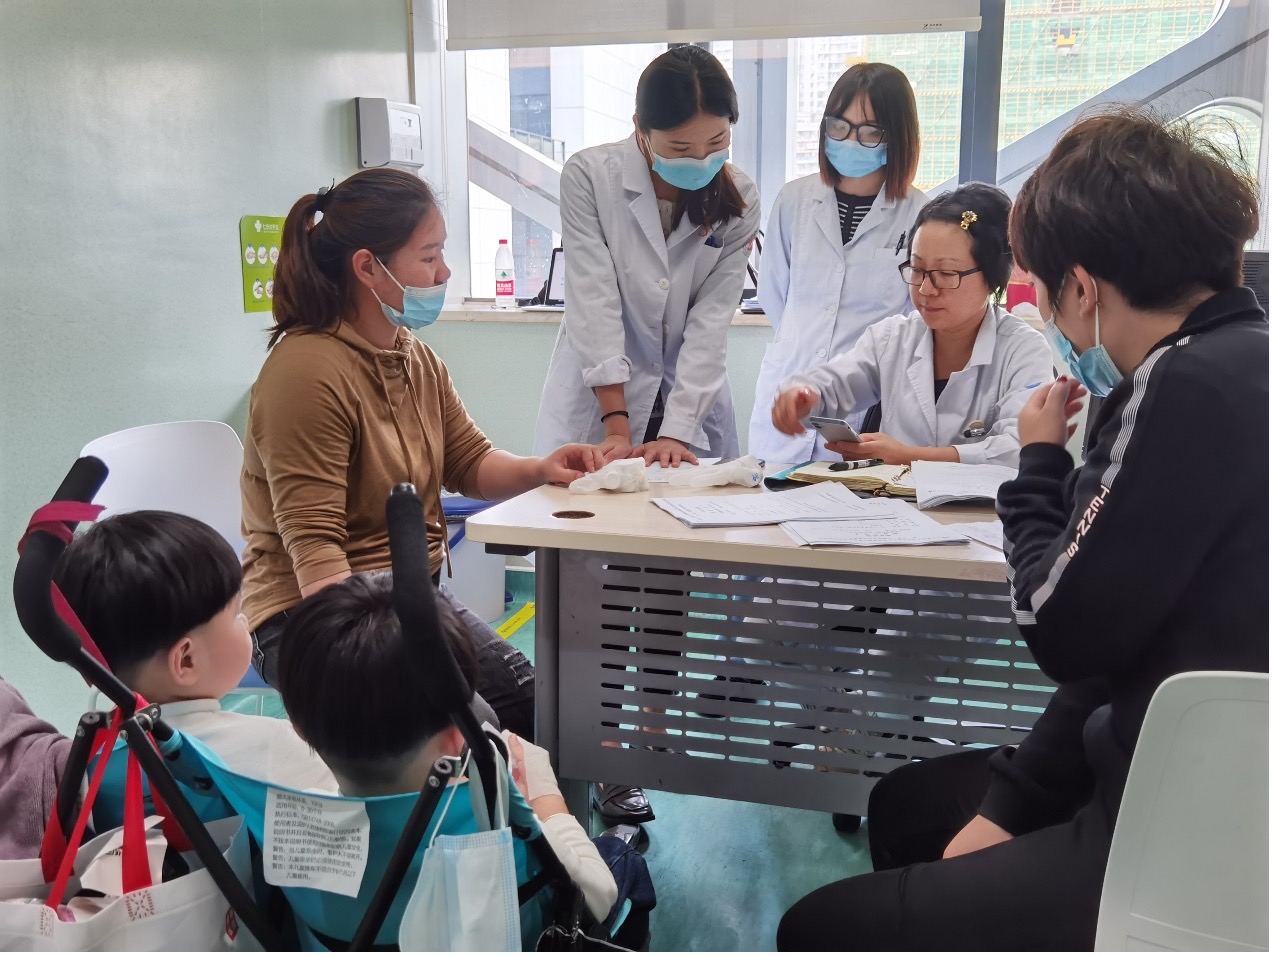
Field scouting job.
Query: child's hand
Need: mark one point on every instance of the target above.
(531, 769)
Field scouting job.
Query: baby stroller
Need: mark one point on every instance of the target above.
(179, 769)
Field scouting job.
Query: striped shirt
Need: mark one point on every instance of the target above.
(852, 211)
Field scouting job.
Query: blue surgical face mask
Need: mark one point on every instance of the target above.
(686, 172)
(854, 159)
(421, 306)
(1093, 367)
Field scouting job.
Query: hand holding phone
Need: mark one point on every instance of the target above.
(833, 429)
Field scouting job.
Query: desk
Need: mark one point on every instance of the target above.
(648, 634)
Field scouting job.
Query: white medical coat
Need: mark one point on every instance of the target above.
(821, 294)
(893, 364)
(650, 312)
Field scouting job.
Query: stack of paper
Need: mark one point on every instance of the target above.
(941, 482)
(896, 523)
(990, 533)
(823, 502)
(657, 474)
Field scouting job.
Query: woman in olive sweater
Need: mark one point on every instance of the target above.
(349, 403)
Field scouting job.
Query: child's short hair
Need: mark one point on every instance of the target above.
(141, 580)
(345, 675)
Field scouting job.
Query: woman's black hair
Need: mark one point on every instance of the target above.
(675, 87)
(345, 676)
(894, 103)
(984, 211)
(142, 580)
(376, 209)
(1148, 204)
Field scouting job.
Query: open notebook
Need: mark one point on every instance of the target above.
(895, 480)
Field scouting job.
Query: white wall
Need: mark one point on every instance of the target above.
(133, 135)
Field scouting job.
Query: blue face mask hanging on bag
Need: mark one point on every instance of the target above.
(855, 159)
(421, 306)
(686, 172)
(1093, 367)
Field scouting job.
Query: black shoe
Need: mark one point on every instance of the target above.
(846, 822)
(618, 803)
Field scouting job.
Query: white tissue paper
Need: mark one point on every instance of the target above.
(746, 471)
(623, 474)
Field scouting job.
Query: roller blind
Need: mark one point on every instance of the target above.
(503, 24)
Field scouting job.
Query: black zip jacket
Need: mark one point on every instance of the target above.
(1150, 560)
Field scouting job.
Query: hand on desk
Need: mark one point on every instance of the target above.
(667, 451)
(614, 447)
(978, 834)
(1046, 416)
(569, 462)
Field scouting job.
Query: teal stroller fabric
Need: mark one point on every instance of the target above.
(323, 913)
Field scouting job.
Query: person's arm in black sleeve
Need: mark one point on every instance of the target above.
(1047, 778)
(1095, 574)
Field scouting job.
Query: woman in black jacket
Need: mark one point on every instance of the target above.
(1123, 572)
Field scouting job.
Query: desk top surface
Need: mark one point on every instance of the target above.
(630, 524)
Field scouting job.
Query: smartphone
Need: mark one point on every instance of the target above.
(833, 429)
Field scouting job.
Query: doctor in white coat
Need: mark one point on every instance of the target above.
(657, 231)
(953, 375)
(829, 268)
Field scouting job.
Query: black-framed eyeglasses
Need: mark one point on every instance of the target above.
(938, 278)
(868, 134)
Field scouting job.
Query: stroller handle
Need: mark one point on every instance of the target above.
(414, 600)
(435, 666)
(34, 572)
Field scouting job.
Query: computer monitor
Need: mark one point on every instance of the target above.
(557, 278)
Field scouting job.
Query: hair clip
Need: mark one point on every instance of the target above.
(323, 196)
(968, 218)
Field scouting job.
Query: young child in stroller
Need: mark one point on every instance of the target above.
(344, 674)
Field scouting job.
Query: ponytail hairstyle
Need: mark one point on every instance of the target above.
(675, 88)
(376, 209)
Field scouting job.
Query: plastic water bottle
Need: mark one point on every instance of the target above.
(504, 294)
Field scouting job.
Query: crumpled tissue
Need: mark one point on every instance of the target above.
(745, 471)
(623, 474)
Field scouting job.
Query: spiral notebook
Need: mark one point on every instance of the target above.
(893, 480)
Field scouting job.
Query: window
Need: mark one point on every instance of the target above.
(1061, 53)
(560, 100)
(556, 101)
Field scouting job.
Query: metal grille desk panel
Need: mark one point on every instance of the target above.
(702, 677)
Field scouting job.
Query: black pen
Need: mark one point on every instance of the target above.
(902, 241)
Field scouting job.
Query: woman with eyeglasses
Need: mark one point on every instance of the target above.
(952, 375)
(829, 268)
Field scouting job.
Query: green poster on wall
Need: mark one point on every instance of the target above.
(259, 238)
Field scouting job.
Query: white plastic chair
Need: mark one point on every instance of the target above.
(191, 468)
(1189, 863)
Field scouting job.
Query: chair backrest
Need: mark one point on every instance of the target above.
(334, 914)
(1189, 863)
(191, 468)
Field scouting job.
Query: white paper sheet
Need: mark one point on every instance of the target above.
(657, 474)
(941, 482)
(315, 842)
(900, 524)
(990, 533)
(821, 502)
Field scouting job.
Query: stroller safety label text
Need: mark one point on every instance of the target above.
(317, 842)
